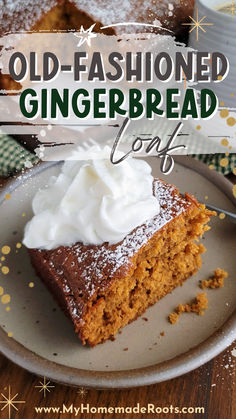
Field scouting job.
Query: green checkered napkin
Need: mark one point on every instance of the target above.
(14, 158)
(214, 161)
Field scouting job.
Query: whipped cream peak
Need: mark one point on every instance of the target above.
(92, 202)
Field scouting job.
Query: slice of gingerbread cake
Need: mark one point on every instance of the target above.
(103, 287)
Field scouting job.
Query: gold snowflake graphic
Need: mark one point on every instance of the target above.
(85, 35)
(45, 386)
(82, 392)
(10, 402)
(197, 24)
(232, 9)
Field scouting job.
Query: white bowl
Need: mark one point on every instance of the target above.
(220, 37)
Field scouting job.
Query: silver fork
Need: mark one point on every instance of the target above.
(231, 216)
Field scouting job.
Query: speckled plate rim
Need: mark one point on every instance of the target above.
(163, 371)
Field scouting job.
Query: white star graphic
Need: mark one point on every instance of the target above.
(85, 35)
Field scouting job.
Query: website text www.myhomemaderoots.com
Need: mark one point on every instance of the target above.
(137, 409)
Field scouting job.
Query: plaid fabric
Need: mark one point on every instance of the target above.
(14, 157)
(214, 161)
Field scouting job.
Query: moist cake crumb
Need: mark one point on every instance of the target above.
(173, 318)
(198, 306)
(216, 280)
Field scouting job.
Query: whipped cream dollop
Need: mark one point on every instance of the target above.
(92, 202)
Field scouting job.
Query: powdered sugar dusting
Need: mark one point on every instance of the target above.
(23, 14)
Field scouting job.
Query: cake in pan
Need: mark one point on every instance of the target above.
(71, 14)
(66, 15)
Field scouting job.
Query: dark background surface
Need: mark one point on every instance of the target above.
(211, 386)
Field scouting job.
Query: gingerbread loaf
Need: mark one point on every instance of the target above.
(104, 287)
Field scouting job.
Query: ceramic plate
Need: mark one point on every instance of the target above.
(43, 339)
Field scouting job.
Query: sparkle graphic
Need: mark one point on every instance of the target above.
(45, 386)
(233, 9)
(10, 402)
(197, 24)
(85, 35)
(82, 392)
